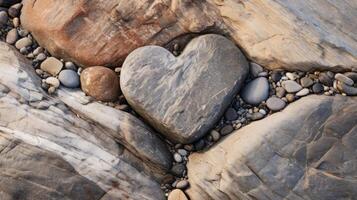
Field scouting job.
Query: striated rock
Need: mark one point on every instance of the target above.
(307, 151)
(109, 151)
(184, 97)
(101, 83)
(104, 32)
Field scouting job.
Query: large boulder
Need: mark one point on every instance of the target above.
(295, 35)
(303, 35)
(104, 32)
(183, 97)
(109, 151)
(307, 151)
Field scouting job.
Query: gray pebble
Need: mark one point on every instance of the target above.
(256, 91)
(215, 135)
(275, 104)
(255, 69)
(23, 42)
(276, 76)
(303, 92)
(41, 57)
(3, 18)
(182, 184)
(317, 88)
(199, 145)
(69, 78)
(349, 90)
(263, 74)
(70, 65)
(23, 32)
(231, 114)
(325, 79)
(344, 79)
(280, 92)
(255, 116)
(291, 86)
(182, 152)
(178, 169)
(227, 129)
(24, 51)
(12, 36)
(306, 82)
(14, 10)
(38, 50)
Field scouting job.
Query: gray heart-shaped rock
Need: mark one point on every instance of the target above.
(183, 97)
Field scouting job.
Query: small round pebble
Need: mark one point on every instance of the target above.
(290, 97)
(69, 78)
(215, 135)
(14, 10)
(51, 90)
(3, 18)
(275, 104)
(325, 79)
(182, 184)
(182, 152)
(231, 114)
(23, 42)
(255, 69)
(52, 65)
(306, 82)
(256, 91)
(41, 57)
(255, 116)
(199, 145)
(177, 157)
(70, 65)
(291, 76)
(178, 169)
(280, 92)
(227, 129)
(52, 81)
(291, 86)
(303, 92)
(12, 36)
(317, 88)
(16, 22)
(177, 194)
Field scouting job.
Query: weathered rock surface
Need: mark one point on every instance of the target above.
(104, 32)
(307, 151)
(275, 34)
(109, 151)
(184, 97)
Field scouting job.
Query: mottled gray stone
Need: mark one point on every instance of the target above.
(306, 82)
(275, 104)
(307, 151)
(344, 79)
(291, 86)
(184, 97)
(256, 91)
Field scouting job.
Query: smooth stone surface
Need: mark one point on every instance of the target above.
(317, 88)
(215, 135)
(69, 78)
(290, 97)
(12, 36)
(275, 104)
(177, 158)
(325, 79)
(101, 83)
(182, 184)
(344, 79)
(177, 194)
(255, 69)
(171, 93)
(291, 86)
(306, 151)
(352, 75)
(280, 92)
(52, 66)
(178, 169)
(349, 90)
(256, 91)
(3, 18)
(303, 92)
(23, 42)
(255, 116)
(276, 76)
(52, 81)
(227, 129)
(306, 82)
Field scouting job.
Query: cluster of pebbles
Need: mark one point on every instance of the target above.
(264, 93)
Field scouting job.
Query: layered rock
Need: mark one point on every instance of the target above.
(184, 97)
(104, 149)
(104, 32)
(295, 35)
(307, 151)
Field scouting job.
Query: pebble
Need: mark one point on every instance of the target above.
(348, 90)
(51, 90)
(23, 42)
(182, 152)
(276, 76)
(199, 145)
(215, 135)
(16, 22)
(303, 92)
(255, 116)
(182, 184)
(275, 104)
(3, 18)
(38, 50)
(41, 57)
(306, 82)
(52, 81)
(290, 97)
(352, 75)
(177, 194)
(69, 78)
(227, 129)
(23, 32)
(325, 79)
(178, 158)
(178, 169)
(24, 50)
(256, 91)
(52, 65)
(280, 92)
(255, 69)
(344, 79)
(231, 114)
(12, 36)
(291, 76)
(14, 10)
(291, 86)
(70, 65)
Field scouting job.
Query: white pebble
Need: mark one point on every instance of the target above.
(53, 82)
(177, 157)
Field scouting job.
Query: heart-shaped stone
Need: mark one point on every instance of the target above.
(183, 97)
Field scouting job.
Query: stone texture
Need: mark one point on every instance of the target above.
(307, 151)
(101, 83)
(69, 78)
(256, 91)
(8, 3)
(104, 32)
(52, 65)
(177, 195)
(275, 104)
(291, 86)
(274, 33)
(106, 148)
(184, 97)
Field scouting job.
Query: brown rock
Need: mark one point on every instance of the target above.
(101, 83)
(105, 32)
(177, 195)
